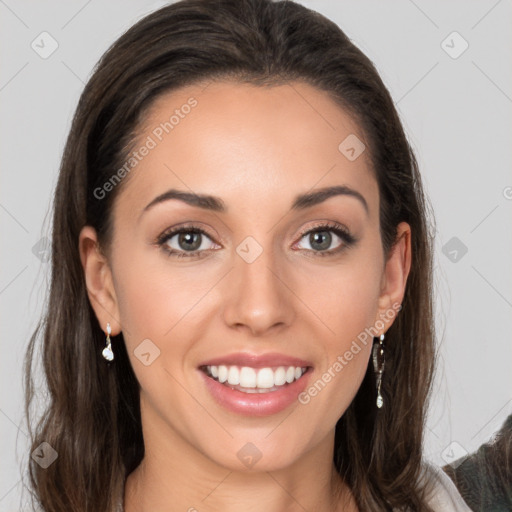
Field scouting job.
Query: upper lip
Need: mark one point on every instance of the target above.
(257, 360)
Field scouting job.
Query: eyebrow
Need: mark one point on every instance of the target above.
(216, 204)
(320, 195)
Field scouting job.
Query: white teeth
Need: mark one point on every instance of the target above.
(234, 376)
(265, 378)
(254, 379)
(280, 376)
(223, 373)
(247, 377)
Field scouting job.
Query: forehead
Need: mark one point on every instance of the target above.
(248, 144)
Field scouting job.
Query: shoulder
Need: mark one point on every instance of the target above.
(443, 495)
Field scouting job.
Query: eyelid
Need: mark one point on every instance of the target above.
(184, 227)
(325, 225)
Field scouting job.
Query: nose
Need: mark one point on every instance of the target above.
(258, 297)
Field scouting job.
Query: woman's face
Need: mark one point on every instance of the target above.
(278, 277)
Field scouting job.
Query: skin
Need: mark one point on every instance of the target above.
(257, 148)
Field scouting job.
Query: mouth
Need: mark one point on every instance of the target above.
(247, 379)
(255, 385)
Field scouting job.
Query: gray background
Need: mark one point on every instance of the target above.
(458, 116)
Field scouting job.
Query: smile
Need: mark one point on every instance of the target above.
(254, 380)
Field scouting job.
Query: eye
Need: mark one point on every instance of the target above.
(191, 241)
(185, 241)
(321, 238)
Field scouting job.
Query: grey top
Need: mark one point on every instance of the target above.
(445, 497)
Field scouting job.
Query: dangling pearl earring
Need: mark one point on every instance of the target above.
(107, 351)
(378, 366)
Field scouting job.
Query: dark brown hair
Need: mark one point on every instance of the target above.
(92, 418)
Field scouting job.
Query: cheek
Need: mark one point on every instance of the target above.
(345, 301)
(153, 294)
(156, 303)
(343, 297)
(163, 301)
(347, 308)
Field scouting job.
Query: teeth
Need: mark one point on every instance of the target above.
(233, 376)
(255, 379)
(280, 376)
(223, 373)
(265, 378)
(247, 377)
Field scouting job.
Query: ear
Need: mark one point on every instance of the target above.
(395, 274)
(99, 282)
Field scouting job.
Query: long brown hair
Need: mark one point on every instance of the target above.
(92, 418)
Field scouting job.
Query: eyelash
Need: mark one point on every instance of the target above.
(347, 238)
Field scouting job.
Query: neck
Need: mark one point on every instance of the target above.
(150, 488)
(176, 476)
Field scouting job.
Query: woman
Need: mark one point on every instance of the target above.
(240, 314)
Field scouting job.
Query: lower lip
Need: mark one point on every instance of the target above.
(256, 404)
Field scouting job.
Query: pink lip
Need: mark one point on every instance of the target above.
(271, 359)
(256, 404)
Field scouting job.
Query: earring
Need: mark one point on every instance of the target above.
(107, 351)
(378, 366)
